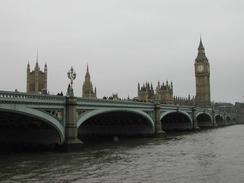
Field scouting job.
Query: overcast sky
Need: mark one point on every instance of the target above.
(124, 42)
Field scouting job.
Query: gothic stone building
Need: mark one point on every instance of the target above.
(163, 93)
(36, 79)
(145, 92)
(202, 75)
(87, 89)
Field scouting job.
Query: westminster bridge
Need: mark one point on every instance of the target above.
(35, 118)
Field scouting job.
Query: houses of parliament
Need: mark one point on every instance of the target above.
(36, 82)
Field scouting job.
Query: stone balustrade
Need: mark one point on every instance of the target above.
(7, 96)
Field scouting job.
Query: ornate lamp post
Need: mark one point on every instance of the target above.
(71, 75)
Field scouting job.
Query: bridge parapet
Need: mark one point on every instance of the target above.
(19, 97)
(82, 102)
(176, 107)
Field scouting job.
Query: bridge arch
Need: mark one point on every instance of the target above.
(113, 122)
(219, 120)
(228, 119)
(176, 120)
(29, 114)
(204, 120)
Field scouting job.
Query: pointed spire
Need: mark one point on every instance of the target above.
(28, 66)
(200, 44)
(37, 65)
(87, 76)
(87, 68)
(201, 52)
(37, 55)
(87, 88)
(45, 67)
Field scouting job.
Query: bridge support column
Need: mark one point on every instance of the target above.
(72, 142)
(194, 120)
(224, 120)
(158, 125)
(214, 120)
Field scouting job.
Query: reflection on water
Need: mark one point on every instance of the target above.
(209, 156)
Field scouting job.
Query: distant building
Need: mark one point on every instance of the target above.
(145, 92)
(202, 75)
(240, 111)
(224, 107)
(164, 93)
(184, 100)
(114, 97)
(36, 80)
(87, 88)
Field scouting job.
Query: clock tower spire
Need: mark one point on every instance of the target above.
(202, 75)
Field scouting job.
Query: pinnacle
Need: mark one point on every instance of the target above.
(37, 56)
(87, 68)
(200, 44)
(201, 52)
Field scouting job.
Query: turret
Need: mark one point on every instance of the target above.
(45, 78)
(87, 77)
(28, 77)
(87, 88)
(37, 68)
(28, 67)
(138, 87)
(45, 67)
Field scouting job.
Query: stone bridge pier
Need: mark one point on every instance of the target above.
(71, 132)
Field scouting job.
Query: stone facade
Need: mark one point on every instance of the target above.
(189, 101)
(87, 88)
(145, 92)
(202, 75)
(240, 112)
(36, 79)
(163, 93)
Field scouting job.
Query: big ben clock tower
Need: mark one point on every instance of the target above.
(202, 74)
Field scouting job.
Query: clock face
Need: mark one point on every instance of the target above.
(200, 68)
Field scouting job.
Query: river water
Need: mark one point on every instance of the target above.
(209, 156)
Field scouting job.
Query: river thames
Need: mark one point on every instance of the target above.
(212, 156)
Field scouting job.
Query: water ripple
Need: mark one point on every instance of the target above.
(210, 156)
